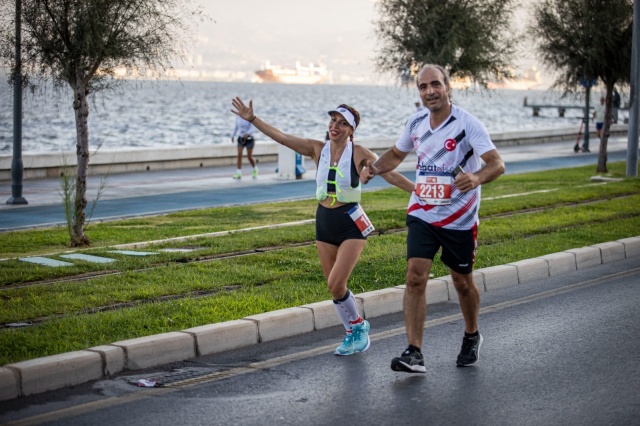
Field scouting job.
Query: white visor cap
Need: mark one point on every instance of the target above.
(348, 115)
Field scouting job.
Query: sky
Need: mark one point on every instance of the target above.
(243, 34)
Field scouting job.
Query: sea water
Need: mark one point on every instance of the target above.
(175, 114)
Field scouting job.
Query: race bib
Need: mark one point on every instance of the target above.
(434, 189)
(362, 221)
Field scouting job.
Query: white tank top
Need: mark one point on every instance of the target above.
(345, 193)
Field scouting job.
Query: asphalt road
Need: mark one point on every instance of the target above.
(560, 351)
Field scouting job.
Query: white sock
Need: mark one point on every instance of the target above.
(347, 310)
(239, 171)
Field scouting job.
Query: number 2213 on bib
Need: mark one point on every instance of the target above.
(434, 189)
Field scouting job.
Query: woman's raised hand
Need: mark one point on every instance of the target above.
(242, 110)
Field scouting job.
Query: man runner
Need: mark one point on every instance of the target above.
(443, 210)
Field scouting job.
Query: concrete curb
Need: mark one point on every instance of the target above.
(73, 368)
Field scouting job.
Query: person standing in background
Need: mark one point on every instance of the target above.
(455, 157)
(244, 130)
(598, 118)
(616, 105)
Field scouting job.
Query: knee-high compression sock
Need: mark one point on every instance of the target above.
(347, 310)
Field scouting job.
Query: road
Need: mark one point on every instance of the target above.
(560, 351)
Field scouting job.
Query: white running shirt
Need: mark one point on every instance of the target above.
(242, 127)
(439, 151)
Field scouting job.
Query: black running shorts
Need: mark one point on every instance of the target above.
(458, 247)
(247, 142)
(334, 226)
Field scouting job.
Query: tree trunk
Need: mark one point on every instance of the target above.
(606, 126)
(81, 108)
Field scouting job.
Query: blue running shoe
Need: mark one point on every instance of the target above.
(346, 348)
(360, 333)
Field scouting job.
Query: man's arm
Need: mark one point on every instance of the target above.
(494, 167)
(397, 179)
(386, 163)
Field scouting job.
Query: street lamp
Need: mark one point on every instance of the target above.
(17, 168)
(587, 83)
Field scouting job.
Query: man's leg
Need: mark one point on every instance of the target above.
(469, 297)
(422, 245)
(415, 310)
(414, 303)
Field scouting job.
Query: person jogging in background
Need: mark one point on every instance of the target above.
(244, 130)
(443, 209)
(342, 225)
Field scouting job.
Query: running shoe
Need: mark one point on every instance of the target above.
(411, 361)
(237, 176)
(470, 352)
(346, 348)
(360, 333)
(254, 174)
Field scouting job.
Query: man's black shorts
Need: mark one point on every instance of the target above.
(458, 247)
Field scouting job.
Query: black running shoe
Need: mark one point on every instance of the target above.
(410, 361)
(470, 352)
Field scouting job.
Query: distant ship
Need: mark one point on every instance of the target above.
(530, 80)
(313, 74)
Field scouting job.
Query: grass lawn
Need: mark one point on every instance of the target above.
(237, 274)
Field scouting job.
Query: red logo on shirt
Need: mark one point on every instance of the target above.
(450, 144)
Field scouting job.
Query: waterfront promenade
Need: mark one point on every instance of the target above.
(161, 191)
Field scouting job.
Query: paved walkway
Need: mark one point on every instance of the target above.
(154, 192)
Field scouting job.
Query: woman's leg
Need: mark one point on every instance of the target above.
(338, 263)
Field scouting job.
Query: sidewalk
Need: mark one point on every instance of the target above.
(46, 191)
